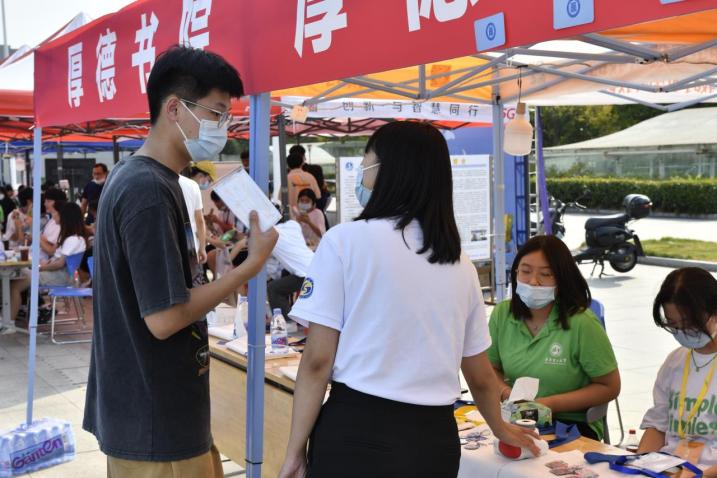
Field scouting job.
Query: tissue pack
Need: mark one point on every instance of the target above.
(525, 409)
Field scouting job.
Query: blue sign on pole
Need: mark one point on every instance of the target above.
(490, 32)
(570, 13)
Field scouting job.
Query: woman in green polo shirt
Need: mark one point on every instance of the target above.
(548, 331)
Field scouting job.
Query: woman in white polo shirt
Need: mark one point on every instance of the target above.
(395, 310)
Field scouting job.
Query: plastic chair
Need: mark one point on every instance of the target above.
(599, 412)
(75, 294)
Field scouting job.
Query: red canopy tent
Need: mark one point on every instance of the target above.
(100, 70)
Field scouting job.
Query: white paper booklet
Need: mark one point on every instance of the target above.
(242, 195)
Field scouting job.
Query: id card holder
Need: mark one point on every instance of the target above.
(690, 451)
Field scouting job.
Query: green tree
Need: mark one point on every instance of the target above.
(572, 124)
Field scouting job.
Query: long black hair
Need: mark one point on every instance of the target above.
(572, 294)
(694, 292)
(415, 181)
(71, 223)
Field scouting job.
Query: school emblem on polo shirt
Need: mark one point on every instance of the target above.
(307, 288)
(556, 350)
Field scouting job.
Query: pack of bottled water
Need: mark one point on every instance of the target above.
(44, 443)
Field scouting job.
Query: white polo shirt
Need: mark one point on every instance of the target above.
(405, 323)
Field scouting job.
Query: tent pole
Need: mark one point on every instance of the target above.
(284, 195)
(498, 198)
(260, 106)
(635, 100)
(115, 150)
(37, 166)
(542, 184)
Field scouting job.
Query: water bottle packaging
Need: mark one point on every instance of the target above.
(44, 443)
(279, 335)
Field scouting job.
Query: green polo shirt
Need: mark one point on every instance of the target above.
(563, 360)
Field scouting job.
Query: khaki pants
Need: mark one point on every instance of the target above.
(208, 465)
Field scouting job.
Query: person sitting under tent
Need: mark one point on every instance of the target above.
(53, 271)
(19, 224)
(311, 218)
(287, 266)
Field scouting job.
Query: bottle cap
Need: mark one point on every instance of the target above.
(277, 311)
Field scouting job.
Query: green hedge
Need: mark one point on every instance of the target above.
(683, 196)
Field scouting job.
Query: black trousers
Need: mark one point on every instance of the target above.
(359, 435)
(279, 292)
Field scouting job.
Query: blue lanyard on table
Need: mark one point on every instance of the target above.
(621, 464)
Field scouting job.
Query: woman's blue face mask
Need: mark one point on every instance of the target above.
(363, 194)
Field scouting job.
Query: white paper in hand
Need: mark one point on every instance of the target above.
(242, 195)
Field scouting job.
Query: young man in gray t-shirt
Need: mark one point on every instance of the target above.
(148, 389)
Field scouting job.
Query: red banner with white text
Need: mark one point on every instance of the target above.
(100, 70)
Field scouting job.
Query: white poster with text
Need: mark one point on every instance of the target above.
(349, 207)
(471, 204)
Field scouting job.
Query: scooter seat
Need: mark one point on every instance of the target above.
(614, 220)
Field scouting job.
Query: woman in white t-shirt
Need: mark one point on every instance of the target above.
(683, 420)
(53, 271)
(395, 310)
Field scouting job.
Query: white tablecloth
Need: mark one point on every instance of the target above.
(484, 463)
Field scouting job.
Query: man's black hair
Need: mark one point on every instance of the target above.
(215, 197)
(190, 74)
(56, 194)
(102, 166)
(24, 196)
(294, 160)
(244, 155)
(297, 148)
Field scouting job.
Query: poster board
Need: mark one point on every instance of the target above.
(471, 200)
(471, 204)
(348, 207)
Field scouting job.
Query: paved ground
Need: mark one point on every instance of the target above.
(648, 228)
(62, 370)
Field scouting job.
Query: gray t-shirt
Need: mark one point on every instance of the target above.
(147, 399)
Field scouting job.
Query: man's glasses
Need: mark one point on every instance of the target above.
(223, 117)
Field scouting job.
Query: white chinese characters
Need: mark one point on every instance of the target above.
(193, 30)
(444, 10)
(317, 20)
(145, 55)
(74, 75)
(105, 74)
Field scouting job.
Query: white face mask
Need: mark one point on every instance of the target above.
(209, 143)
(304, 207)
(535, 297)
(694, 340)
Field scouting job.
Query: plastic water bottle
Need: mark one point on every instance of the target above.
(632, 443)
(5, 464)
(241, 318)
(279, 336)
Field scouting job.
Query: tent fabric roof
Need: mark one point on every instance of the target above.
(685, 127)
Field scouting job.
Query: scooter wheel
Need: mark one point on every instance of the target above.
(623, 258)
